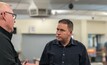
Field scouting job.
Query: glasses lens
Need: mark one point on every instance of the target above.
(14, 15)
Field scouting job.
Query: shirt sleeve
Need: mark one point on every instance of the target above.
(84, 59)
(44, 57)
(7, 54)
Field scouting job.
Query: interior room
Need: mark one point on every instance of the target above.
(37, 20)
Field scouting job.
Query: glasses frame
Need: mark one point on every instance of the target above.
(14, 15)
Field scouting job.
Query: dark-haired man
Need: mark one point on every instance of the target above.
(64, 50)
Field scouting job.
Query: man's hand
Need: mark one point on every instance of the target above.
(25, 62)
(30, 64)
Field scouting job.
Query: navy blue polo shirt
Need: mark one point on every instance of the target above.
(56, 54)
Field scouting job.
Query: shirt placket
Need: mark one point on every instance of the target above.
(63, 56)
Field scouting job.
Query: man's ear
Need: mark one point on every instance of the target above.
(70, 31)
(3, 15)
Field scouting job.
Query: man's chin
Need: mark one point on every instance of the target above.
(58, 39)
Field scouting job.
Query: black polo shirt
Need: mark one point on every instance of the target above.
(56, 54)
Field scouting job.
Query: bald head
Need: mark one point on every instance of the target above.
(4, 7)
(2, 4)
(6, 17)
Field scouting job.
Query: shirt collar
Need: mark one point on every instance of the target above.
(72, 42)
(9, 35)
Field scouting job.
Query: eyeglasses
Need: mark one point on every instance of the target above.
(14, 15)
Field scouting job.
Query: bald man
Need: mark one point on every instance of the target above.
(8, 55)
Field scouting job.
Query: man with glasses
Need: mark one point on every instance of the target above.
(8, 55)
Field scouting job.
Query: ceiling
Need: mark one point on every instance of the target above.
(21, 6)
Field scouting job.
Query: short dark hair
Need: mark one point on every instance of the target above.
(68, 22)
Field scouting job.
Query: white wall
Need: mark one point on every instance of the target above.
(38, 26)
(48, 26)
(96, 27)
